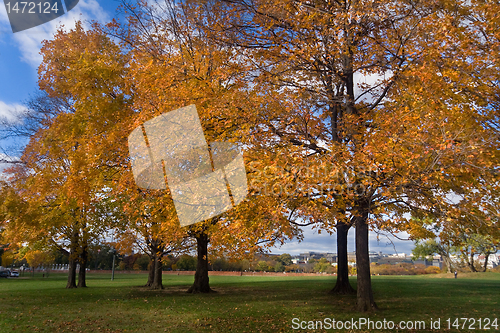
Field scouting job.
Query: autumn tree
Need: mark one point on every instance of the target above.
(476, 244)
(465, 243)
(309, 52)
(36, 257)
(149, 223)
(53, 219)
(285, 259)
(174, 64)
(379, 95)
(96, 79)
(69, 160)
(21, 213)
(7, 258)
(34, 225)
(426, 249)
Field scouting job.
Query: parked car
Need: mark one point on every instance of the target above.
(14, 273)
(4, 274)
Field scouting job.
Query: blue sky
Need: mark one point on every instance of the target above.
(20, 58)
(19, 52)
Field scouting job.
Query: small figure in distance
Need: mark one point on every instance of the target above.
(455, 274)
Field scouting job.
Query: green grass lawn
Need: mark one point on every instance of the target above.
(241, 304)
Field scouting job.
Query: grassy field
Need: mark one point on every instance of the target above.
(241, 304)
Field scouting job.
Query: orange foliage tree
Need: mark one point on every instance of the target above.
(376, 96)
(69, 161)
(149, 223)
(178, 65)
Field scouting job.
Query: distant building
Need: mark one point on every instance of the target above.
(331, 257)
(493, 260)
(306, 256)
(437, 261)
(296, 261)
(375, 256)
(384, 258)
(426, 262)
(394, 261)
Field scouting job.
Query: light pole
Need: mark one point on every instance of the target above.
(113, 266)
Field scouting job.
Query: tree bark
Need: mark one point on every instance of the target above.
(84, 255)
(447, 263)
(158, 271)
(201, 281)
(342, 286)
(365, 301)
(72, 261)
(446, 259)
(471, 262)
(156, 250)
(71, 273)
(151, 275)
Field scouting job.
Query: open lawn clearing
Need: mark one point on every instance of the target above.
(241, 304)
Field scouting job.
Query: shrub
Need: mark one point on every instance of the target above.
(279, 267)
(404, 269)
(433, 270)
(186, 263)
(222, 264)
(142, 262)
(293, 268)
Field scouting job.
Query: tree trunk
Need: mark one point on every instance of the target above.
(471, 262)
(151, 275)
(158, 271)
(365, 301)
(487, 256)
(156, 249)
(447, 262)
(201, 281)
(342, 286)
(71, 274)
(84, 255)
(72, 262)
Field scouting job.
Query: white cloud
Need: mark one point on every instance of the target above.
(30, 41)
(11, 112)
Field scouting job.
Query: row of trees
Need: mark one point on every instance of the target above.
(364, 114)
(465, 249)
